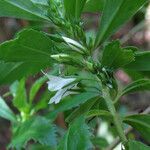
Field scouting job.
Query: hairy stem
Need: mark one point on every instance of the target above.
(128, 130)
(116, 118)
(117, 140)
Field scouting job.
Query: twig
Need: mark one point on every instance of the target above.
(146, 111)
(132, 32)
(116, 117)
(127, 131)
(6, 94)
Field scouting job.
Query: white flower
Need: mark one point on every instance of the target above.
(62, 93)
(57, 83)
(62, 86)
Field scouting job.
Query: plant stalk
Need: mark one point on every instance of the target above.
(128, 130)
(116, 118)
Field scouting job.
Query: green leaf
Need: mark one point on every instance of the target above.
(139, 85)
(20, 100)
(140, 122)
(141, 63)
(6, 112)
(115, 14)
(146, 74)
(72, 102)
(82, 109)
(29, 46)
(100, 142)
(94, 6)
(115, 57)
(77, 136)
(74, 45)
(137, 145)
(74, 8)
(96, 112)
(39, 147)
(46, 95)
(35, 87)
(25, 56)
(22, 9)
(36, 128)
(12, 71)
(44, 7)
(13, 88)
(89, 80)
(43, 101)
(40, 2)
(136, 75)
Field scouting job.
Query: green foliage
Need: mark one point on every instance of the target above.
(115, 14)
(39, 2)
(139, 85)
(11, 71)
(86, 90)
(140, 123)
(6, 112)
(24, 56)
(20, 99)
(36, 128)
(137, 145)
(115, 57)
(96, 112)
(35, 88)
(73, 8)
(141, 62)
(100, 142)
(81, 110)
(94, 6)
(75, 101)
(22, 9)
(77, 136)
(23, 49)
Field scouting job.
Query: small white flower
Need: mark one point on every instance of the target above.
(62, 93)
(59, 84)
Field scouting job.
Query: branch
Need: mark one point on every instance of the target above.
(132, 32)
(127, 131)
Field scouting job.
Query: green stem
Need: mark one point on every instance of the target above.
(117, 99)
(116, 118)
(6, 94)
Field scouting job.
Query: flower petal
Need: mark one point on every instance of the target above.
(57, 83)
(62, 93)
